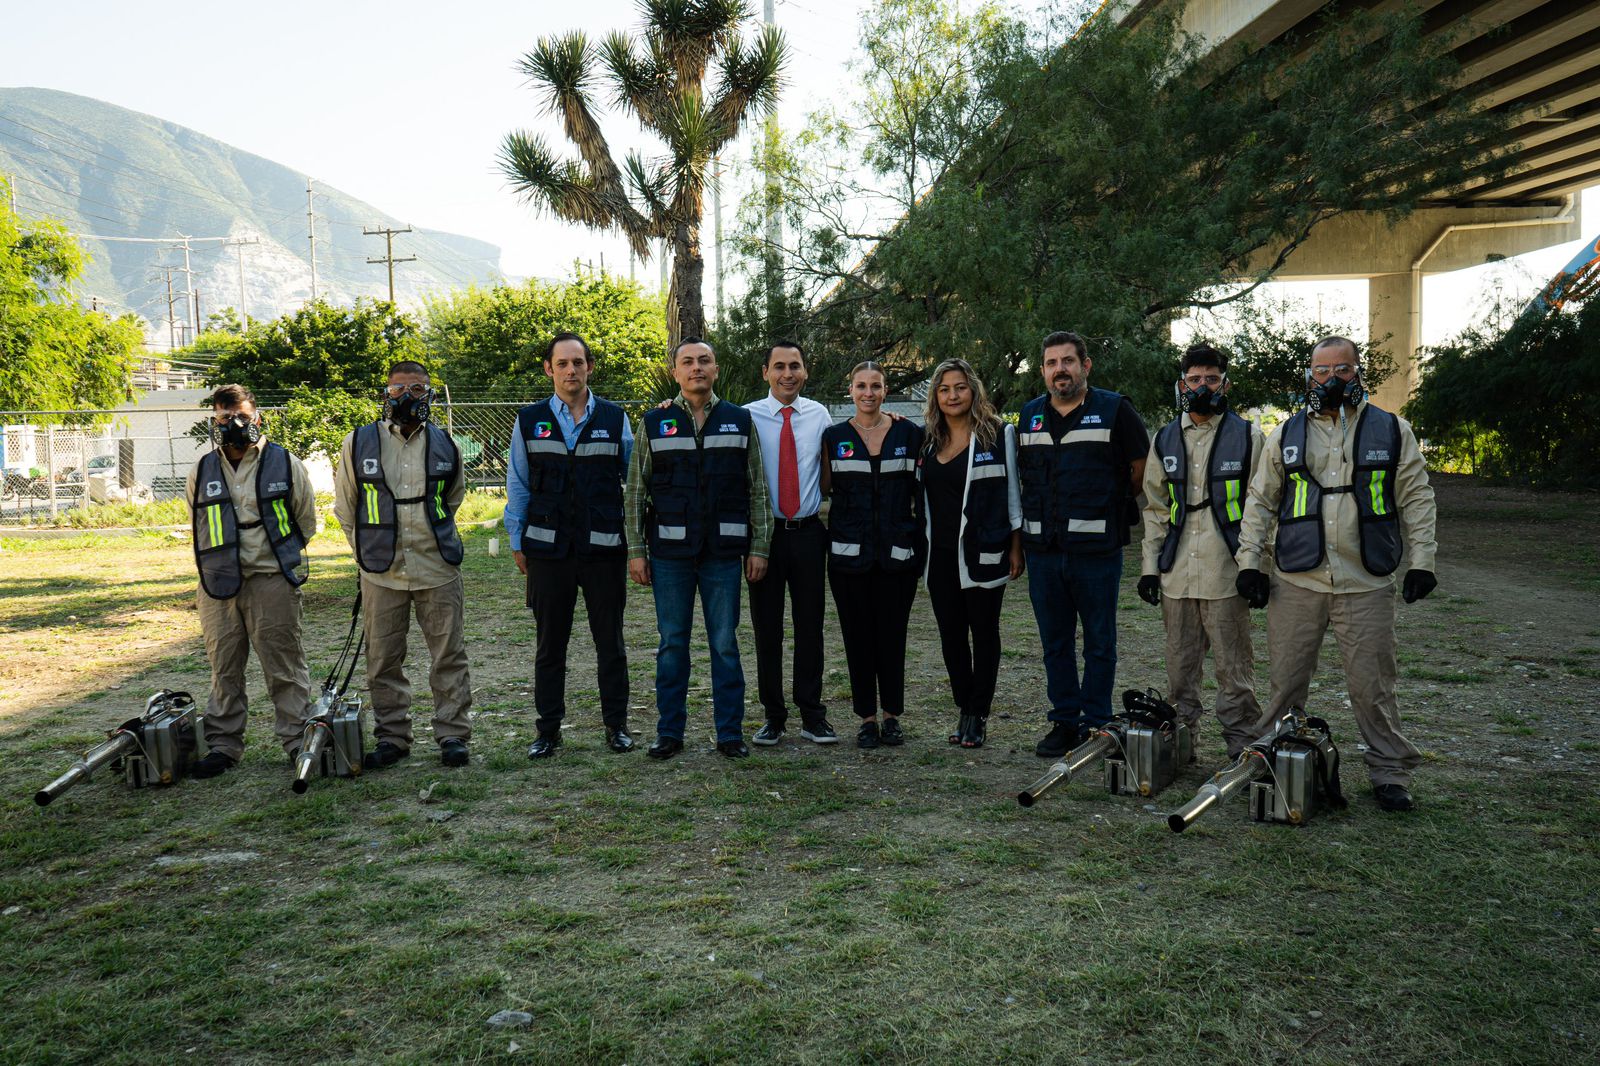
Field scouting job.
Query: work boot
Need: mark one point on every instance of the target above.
(215, 764)
(1393, 797)
(1061, 739)
(453, 751)
(384, 755)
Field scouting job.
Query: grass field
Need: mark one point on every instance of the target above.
(803, 905)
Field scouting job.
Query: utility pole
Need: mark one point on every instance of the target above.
(11, 187)
(197, 312)
(172, 334)
(188, 281)
(244, 313)
(388, 236)
(311, 228)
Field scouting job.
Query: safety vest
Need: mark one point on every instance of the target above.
(986, 513)
(699, 486)
(377, 522)
(1227, 479)
(1072, 492)
(574, 497)
(1302, 543)
(216, 525)
(873, 519)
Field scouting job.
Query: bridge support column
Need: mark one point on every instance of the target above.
(1394, 309)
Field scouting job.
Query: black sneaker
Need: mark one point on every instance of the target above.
(867, 735)
(215, 764)
(1394, 797)
(1061, 739)
(385, 755)
(890, 733)
(768, 735)
(821, 733)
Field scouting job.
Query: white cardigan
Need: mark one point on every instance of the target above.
(1013, 505)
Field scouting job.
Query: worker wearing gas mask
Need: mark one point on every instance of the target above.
(252, 512)
(398, 486)
(1343, 484)
(1196, 478)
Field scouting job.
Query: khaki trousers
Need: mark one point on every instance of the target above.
(265, 615)
(1195, 626)
(386, 616)
(1363, 625)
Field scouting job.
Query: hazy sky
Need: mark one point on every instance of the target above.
(403, 104)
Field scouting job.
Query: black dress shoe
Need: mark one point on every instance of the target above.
(734, 749)
(453, 751)
(385, 755)
(867, 735)
(889, 733)
(665, 747)
(1394, 797)
(215, 764)
(972, 730)
(619, 740)
(544, 746)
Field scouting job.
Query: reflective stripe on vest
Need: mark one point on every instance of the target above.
(1302, 542)
(217, 559)
(873, 520)
(377, 523)
(699, 486)
(1227, 472)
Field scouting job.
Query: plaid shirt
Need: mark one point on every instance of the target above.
(636, 493)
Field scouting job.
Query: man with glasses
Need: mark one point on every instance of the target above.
(1196, 477)
(1343, 484)
(399, 484)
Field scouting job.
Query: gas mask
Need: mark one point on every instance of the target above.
(239, 431)
(1201, 401)
(1328, 395)
(410, 407)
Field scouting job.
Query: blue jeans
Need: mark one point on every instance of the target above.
(718, 580)
(1065, 589)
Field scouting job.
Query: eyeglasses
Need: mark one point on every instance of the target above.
(1194, 381)
(1343, 370)
(417, 389)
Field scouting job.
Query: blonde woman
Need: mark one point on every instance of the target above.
(877, 544)
(974, 514)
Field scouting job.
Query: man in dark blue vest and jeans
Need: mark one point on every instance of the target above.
(569, 456)
(1080, 459)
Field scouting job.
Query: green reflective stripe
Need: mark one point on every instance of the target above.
(1172, 510)
(372, 504)
(214, 524)
(438, 499)
(1377, 492)
(1301, 491)
(283, 517)
(1234, 511)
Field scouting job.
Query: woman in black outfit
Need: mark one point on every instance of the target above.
(877, 544)
(970, 492)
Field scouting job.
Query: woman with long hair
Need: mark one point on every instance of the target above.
(974, 514)
(876, 546)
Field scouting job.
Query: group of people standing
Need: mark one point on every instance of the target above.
(709, 498)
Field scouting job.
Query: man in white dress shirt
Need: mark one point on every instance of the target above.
(790, 427)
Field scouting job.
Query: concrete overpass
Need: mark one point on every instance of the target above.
(1535, 61)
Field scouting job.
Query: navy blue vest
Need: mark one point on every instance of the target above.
(873, 519)
(699, 487)
(1072, 492)
(986, 540)
(1301, 542)
(574, 498)
(1227, 480)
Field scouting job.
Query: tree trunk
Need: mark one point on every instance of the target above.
(688, 281)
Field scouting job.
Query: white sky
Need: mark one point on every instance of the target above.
(403, 104)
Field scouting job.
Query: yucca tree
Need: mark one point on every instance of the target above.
(659, 76)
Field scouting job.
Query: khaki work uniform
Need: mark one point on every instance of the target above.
(1359, 605)
(265, 615)
(1200, 606)
(419, 579)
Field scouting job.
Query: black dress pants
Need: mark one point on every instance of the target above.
(874, 613)
(797, 564)
(969, 634)
(553, 586)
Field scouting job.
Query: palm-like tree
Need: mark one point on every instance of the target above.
(659, 76)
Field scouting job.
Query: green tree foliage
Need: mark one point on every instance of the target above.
(1517, 403)
(1101, 182)
(489, 343)
(54, 355)
(319, 347)
(658, 77)
(316, 422)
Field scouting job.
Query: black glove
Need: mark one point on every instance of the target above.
(1254, 587)
(1150, 589)
(1418, 584)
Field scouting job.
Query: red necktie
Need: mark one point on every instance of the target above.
(788, 469)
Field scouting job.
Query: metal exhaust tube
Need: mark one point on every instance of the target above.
(1059, 774)
(123, 743)
(1249, 766)
(312, 741)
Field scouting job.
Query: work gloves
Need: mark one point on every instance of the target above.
(1150, 589)
(1254, 586)
(1417, 585)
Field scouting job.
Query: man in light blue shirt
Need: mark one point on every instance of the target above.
(564, 519)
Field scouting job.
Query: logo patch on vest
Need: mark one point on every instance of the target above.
(541, 430)
(277, 486)
(727, 427)
(442, 466)
(983, 457)
(900, 450)
(1232, 466)
(669, 427)
(1377, 455)
(1291, 454)
(1091, 420)
(369, 467)
(213, 488)
(600, 434)
(1036, 424)
(846, 449)
(1169, 463)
